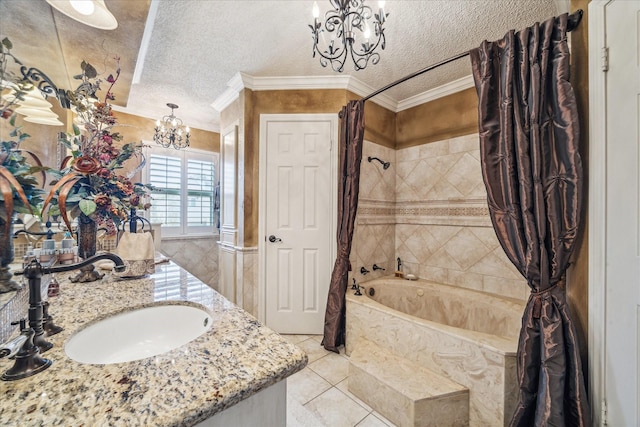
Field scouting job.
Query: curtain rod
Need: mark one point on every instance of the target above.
(572, 24)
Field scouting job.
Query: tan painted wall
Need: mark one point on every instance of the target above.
(440, 119)
(136, 128)
(578, 275)
(379, 124)
(230, 114)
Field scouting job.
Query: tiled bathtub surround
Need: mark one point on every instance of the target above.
(431, 203)
(374, 235)
(465, 336)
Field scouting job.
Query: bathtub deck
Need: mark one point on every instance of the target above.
(404, 392)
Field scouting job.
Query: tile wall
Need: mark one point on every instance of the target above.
(374, 235)
(429, 209)
(198, 256)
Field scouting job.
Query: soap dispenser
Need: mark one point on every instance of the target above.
(48, 248)
(67, 253)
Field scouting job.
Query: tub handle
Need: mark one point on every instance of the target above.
(375, 267)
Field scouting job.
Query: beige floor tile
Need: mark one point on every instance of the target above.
(343, 386)
(317, 338)
(295, 339)
(299, 416)
(335, 409)
(383, 419)
(333, 368)
(313, 349)
(305, 385)
(371, 421)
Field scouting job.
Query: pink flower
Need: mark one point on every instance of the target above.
(104, 173)
(104, 158)
(134, 200)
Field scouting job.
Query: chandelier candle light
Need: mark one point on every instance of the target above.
(345, 17)
(170, 131)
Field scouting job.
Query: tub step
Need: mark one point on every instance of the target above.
(405, 393)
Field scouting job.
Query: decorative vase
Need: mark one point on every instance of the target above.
(6, 253)
(87, 242)
(87, 236)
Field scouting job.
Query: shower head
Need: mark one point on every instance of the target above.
(385, 165)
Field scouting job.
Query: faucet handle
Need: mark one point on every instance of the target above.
(22, 322)
(13, 347)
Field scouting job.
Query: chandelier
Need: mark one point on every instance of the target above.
(170, 131)
(342, 21)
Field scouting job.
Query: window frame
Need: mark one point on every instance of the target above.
(184, 230)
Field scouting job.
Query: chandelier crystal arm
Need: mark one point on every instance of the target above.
(170, 131)
(344, 21)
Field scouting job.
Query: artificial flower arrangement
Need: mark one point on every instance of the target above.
(89, 184)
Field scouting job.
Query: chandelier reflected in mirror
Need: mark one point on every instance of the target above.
(355, 31)
(170, 132)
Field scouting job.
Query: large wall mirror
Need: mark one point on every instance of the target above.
(55, 44)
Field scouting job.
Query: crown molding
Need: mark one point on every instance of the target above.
(242, 81)
(438, 92)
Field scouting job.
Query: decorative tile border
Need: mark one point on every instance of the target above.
(446, 212)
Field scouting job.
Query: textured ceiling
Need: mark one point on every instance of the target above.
(192, 48)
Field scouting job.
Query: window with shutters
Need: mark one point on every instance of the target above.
(185, 201)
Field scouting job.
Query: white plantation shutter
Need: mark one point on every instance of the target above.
(165, 173)
(184, 202)
(200, 183)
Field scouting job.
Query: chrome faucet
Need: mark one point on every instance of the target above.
(26, 348)
(376, 267)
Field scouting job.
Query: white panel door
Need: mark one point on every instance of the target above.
(298, 224)
(622, 362)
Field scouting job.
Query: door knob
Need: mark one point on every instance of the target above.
(274, 239)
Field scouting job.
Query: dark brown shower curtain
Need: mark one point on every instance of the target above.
(351, 137)
(528, 123)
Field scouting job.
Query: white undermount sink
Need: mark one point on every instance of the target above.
(138, 334)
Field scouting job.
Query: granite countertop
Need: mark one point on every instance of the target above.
(235, 359)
